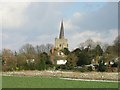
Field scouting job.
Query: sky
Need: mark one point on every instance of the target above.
(39, 22)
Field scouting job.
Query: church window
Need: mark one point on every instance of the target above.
(60, 45)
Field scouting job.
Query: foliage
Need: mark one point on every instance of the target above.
(61, 67)
(98, 50)
(42, 65)
(77, 51)
(102, 66)
(66, 51)
(44, 61)
(28, 58)
(8, 60)
(83, 59)
(82, 69)
(43, 57)
(71, 63)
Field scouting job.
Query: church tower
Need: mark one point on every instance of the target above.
(61, 42)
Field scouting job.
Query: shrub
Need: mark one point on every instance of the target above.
(102, 68)
(83, 70)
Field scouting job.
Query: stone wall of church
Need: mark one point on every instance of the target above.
(61, 43)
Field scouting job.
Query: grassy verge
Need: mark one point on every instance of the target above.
(46, 82)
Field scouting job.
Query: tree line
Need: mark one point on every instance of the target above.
(28, 58)
(102, 57)
(39, 57)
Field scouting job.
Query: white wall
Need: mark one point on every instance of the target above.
(61, 62)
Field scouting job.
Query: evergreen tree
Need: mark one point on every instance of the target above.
(71, 63)
(98, 50)
(83, 59)
(42, 64)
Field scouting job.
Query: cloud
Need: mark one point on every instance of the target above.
(91, 34)
(0, 40)
(110, 36)
(39, 23)
(13, 41)
(77, 15)
(13, 14)
(40, 28)
(99, 25)
(104, 18)
(77, 38)
(80, 37)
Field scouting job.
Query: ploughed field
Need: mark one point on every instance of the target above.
(51, 82)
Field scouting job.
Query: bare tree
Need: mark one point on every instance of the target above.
(81, 45)
(104, 46)
(88, 43)
(117, 40)
(28, 50)
(40, 48)
(43, 48)
(48, 47)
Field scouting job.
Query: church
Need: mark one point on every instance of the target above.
(58, 57)
(61, 42)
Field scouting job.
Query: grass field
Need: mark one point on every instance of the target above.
(46, 82)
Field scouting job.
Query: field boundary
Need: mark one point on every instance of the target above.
(110, 76)
(89, 80)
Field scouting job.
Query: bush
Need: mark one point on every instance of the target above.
(90, 68)
(82, 69)
(102, 68)
(112, 69)
(42, 65)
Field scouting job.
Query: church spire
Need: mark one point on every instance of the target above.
(61, 36)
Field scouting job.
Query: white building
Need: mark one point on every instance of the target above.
(61, 62)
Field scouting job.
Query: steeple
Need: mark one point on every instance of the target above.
(61, 36)
(61, 42)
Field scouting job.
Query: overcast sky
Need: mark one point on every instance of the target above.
(39, 23)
